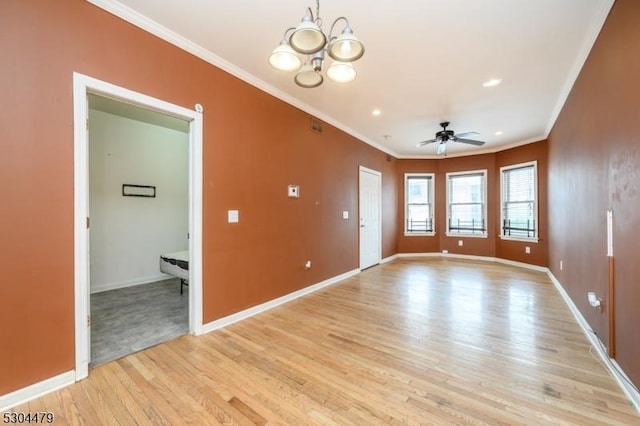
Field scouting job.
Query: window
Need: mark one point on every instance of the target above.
(518, 186)
(418, 189)
(466, 203)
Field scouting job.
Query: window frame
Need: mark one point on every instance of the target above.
(484, 174)
(503, 169)
(432, 177)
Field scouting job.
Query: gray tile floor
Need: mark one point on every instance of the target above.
(130, 319)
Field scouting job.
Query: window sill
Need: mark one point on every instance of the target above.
(521, 239)
(419, 234)
(448, 234)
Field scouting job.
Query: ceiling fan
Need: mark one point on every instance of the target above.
(445, 135)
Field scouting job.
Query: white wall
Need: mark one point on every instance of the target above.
(128, 234)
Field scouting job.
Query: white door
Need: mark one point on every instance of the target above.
(370, 221)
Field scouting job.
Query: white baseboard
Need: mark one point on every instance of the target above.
(36, 390)
(98, 288)
(611, 364)
(472, 257)
(389, 259)
(238, 316)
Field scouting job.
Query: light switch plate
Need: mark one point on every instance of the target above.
(345, 214)
(233, 216)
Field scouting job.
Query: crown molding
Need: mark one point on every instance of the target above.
(597, 22)
(135, 18)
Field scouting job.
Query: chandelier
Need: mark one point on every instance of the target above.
(309, 39)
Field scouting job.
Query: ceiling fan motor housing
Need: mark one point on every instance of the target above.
(444, 134)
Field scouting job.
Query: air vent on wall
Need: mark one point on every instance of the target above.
(316, 125)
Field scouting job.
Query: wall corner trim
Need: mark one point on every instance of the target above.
(36, 390)
(614, 369)
(254, 310)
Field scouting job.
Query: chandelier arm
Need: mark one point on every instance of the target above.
(334, 24)
(284, 37)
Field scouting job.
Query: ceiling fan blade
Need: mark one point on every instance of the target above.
(469, 141)
(423, 143)
(467, 134)
(442, 147)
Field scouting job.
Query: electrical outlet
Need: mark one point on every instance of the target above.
(460, 243)
(293, 191)
(527, 249)
(445, 251)
(307, 265)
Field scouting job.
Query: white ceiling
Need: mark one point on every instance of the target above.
(425, 61)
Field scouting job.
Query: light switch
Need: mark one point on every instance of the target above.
(233, 216)
(345, 214)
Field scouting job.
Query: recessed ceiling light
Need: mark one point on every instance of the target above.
(499, 132)
(491, 83)
(376, 112)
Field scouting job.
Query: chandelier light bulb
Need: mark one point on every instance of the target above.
(341, 72)
(309, 39)
(346, 47)
(284, 57)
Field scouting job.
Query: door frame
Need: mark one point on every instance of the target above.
(362, 169)
(82, 86)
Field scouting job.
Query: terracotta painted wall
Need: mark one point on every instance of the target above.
(254, 146)
(515, 250)
(416, 243)
(492, 246)
(477, 246)
(594, 164)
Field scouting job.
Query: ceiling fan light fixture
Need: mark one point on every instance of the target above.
(443, 136)
(307, 38)
(284, 58)
(341, 72)
(308, 77)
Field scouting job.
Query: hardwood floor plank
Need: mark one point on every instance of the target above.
(412, 342)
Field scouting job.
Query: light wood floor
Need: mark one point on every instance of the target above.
(444, 342)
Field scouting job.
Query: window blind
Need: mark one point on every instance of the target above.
(518, 201)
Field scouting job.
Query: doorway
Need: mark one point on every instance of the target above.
(85, 86)
(370, 207)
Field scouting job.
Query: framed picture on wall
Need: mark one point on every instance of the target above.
(129, 190)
